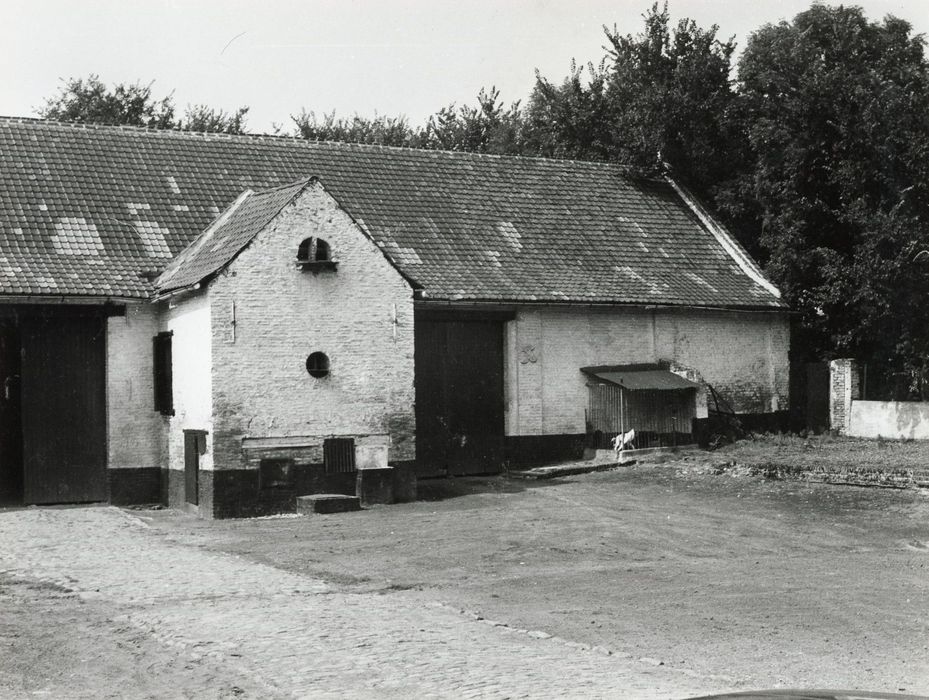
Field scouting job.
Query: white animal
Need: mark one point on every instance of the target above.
(620, 441)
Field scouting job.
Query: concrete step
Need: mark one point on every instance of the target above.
(327, 503)
(558, 470)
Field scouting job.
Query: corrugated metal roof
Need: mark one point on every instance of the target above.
(641, 379)
(84, 210)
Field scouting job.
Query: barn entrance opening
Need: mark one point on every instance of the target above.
(459, 395)
(11, 430)
(52, 404)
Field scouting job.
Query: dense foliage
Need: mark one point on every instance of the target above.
(91, 101)
(836, 111)
(490, 127)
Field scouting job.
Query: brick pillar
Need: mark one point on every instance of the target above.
(844, 387)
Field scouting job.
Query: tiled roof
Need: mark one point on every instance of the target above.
(223, 240)
(85, 209)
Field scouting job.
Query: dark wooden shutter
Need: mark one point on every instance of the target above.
(162, 367)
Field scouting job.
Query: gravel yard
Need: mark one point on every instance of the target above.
(648, 581)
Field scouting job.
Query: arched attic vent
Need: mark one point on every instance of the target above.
(315, 254)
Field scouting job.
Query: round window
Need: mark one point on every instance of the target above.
(317, 364)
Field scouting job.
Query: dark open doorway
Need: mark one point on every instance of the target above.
(459, 395)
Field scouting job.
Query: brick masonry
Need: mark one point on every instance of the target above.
(844, 388)
(742, 355)
(262, 316)
(134, 433)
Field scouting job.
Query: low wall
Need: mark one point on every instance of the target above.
(889, 419)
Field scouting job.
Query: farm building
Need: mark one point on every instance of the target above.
(224, 323)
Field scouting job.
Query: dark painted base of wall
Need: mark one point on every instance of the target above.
(172, 488)
(312, 478)
(534, 450)
(405, 488)
(132, 487)
(238, 493)
(720, 426)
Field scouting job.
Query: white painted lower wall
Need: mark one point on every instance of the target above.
(904, 420)
(188, 318)
(743, 355)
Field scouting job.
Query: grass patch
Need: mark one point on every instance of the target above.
(850, 460)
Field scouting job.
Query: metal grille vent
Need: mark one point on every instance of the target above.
(339, 455)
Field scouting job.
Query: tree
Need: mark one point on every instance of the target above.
(669, 94)
(489, 127)
(378, 130)
(88, 100)
(658, 97)
(836, 112)
(209, 119)
(572, 119)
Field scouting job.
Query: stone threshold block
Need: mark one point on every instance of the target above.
(323, 503)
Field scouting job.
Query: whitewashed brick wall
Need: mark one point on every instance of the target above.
(188, 318)
(134, 432)
(743, 355)
(268, 316)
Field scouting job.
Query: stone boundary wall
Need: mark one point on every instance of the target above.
(849, 415)
(902, 420)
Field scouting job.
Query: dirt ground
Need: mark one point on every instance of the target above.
(770, 584)
(732, 580)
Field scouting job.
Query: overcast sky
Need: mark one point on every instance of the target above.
(387, 56)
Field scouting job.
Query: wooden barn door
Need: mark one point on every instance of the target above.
(11, 432)
(459, 396)
(64, 408)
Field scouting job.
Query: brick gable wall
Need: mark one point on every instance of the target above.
(267, 316)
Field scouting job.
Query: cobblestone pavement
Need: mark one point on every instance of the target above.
(295, 636)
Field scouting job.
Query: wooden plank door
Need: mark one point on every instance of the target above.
(432, 435)
(64, 408)
(11, 432)
(459, 397)
(475, 397)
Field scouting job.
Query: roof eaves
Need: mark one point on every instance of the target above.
(774, 307)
